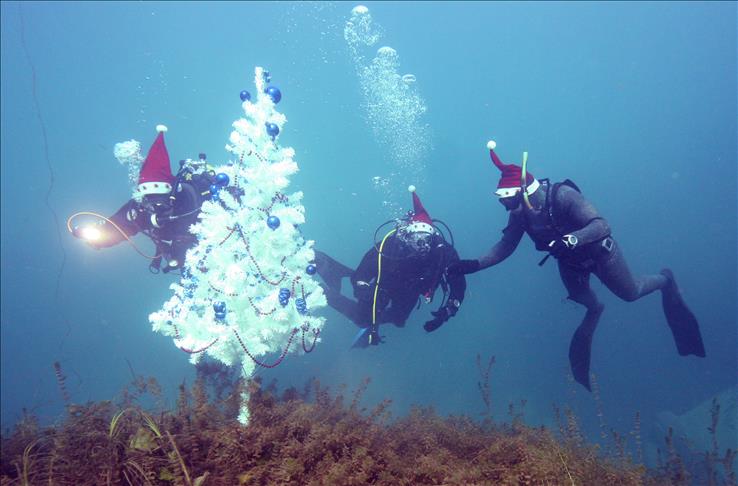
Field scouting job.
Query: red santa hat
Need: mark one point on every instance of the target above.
(421, 221)
(156, 173)
(509, 184)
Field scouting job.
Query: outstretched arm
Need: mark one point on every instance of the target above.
(112, 236)
(456, 282)
(511, 236)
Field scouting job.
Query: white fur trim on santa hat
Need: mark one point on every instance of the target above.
(491, 144)
(418, 227)
(147, 188)
(161, 128)
(511, 191)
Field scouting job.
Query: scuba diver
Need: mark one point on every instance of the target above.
(408, 263)
(563, 223)
(163, 207)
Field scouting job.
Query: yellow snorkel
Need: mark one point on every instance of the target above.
(523, 185)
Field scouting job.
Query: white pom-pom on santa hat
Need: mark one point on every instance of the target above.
(411, 188)
(161, 128)
(491, 144)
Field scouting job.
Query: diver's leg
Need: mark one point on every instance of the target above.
(371, 313)
(613, 271)
(615, 274)
(576, 282)
(331, 271)
(402, 306)
(351, 309)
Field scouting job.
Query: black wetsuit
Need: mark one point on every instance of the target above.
(165, 218)
(404, 279)
(559, 210)
(568, 212)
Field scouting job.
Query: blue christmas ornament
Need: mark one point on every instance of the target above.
(214, 188)
(311, 269)
(245, 95)
(215, 197)
(219, 306)
(272, 129)
(222, 179)
(220, 316)
(301, 306)
(274, 93)
(273, 222)
(284, 296)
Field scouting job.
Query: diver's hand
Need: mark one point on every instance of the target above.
(562, 247)
(462, 267)
(441, 315)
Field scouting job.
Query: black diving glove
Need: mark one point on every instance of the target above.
(462, 267)
(442, 315)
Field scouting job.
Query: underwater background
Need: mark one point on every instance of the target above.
(635, 102)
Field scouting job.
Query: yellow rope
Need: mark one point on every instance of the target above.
(379, 276)
(97, 215)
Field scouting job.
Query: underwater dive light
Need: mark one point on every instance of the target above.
(88, 233)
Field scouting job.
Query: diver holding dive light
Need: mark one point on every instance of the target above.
(163, 207)
(409, 263)
(563, 223)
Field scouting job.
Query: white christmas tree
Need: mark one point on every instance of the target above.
(247, 290)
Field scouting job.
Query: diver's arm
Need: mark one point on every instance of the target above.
(456, 282)
(457, 287)
(580, 212)
(112, 236)
(511, 236)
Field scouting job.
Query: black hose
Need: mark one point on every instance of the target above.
(46, 151)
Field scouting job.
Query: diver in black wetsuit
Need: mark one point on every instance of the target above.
(563, 223)
(163, 207)
(409, 263)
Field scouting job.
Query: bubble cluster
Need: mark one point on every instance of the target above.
(129, 155)
(393, 106)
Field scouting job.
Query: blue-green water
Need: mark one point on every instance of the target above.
(636, 102)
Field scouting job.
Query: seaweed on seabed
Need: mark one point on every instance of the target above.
(484, 386)
(312, 437)
(711, 467)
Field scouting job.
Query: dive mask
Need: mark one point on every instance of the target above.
(417, 236)
(511, 202)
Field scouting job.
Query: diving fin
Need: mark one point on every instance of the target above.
(580, 348)
(362, 338)
(331, 271)
(682, 322)
(365, 337)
